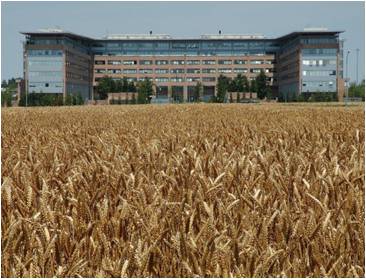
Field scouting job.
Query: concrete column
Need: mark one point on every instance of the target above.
(170, 93)
(185, 93)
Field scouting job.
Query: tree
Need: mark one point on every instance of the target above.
(133, 100)
(237, 97)
(125, 84)
(144, 90)
(119, 86)
(222, 88)
(131, 87)
(240, 83)
(126, 98)
(246, 84)
(253, 86)
(6, 98)
(268, 93)
(261, 85)
(357, 90)
(231, 98)
(198, 91)
(4, 84)
(105, 86)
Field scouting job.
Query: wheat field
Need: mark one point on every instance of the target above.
(202, 190)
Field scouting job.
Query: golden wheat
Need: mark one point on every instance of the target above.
(183, 191)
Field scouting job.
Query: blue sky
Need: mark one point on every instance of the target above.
(96, 19)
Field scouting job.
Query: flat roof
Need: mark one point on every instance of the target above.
(165, 37)
(308, 32)
(57, 33)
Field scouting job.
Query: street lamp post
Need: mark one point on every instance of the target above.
(348, 52)
(357, 51)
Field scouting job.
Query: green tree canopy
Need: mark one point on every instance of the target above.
(144, 90)
(261, 85)
(105, 85)
(357, 90)
(222, 88)
(124, 84)
(198, 89)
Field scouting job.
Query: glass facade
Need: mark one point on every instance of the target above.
(45, 71)
(319, 70)
(186, 47)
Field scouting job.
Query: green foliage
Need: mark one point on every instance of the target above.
(46, 99)
(253, 86)
(104, 87)
(108, 85)
(198, 90)
(231, 98)
(131, 87)
(357, 91)
(222, 88)
(133, 100)
(6, 97)
(261, 85)
(144, 90)
(124, 84)
(41, 99)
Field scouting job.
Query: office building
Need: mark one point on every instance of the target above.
(59, 62)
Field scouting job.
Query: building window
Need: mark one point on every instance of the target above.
(240, 62)
(129, 62)
(145, 62)
(256, 62)
(161, 71)
(256, 71)
(114, 62)
(208, 62)
(177, 62)
(208, 71)
(208, 79)
(100, 71)
(192, 79)
(114, 71)
(240, 70)
(193, 62)
(99, 62)
(224, 70)
(129, 71)
(161, 62)
(162, 79)
(177, 71)
(193, 71)
(225, 62)
(145, 71)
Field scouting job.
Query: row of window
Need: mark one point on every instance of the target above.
(48, 84)
(180, 71)
(175, 79)
(44, 52)
(45, 74)
(182, 62)
(52, 63)
(320, 62)
(77, 76)
(317, 83)
(317, 41)
(188, 79)
(318, 73)
(186, 45)
(320, 51)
